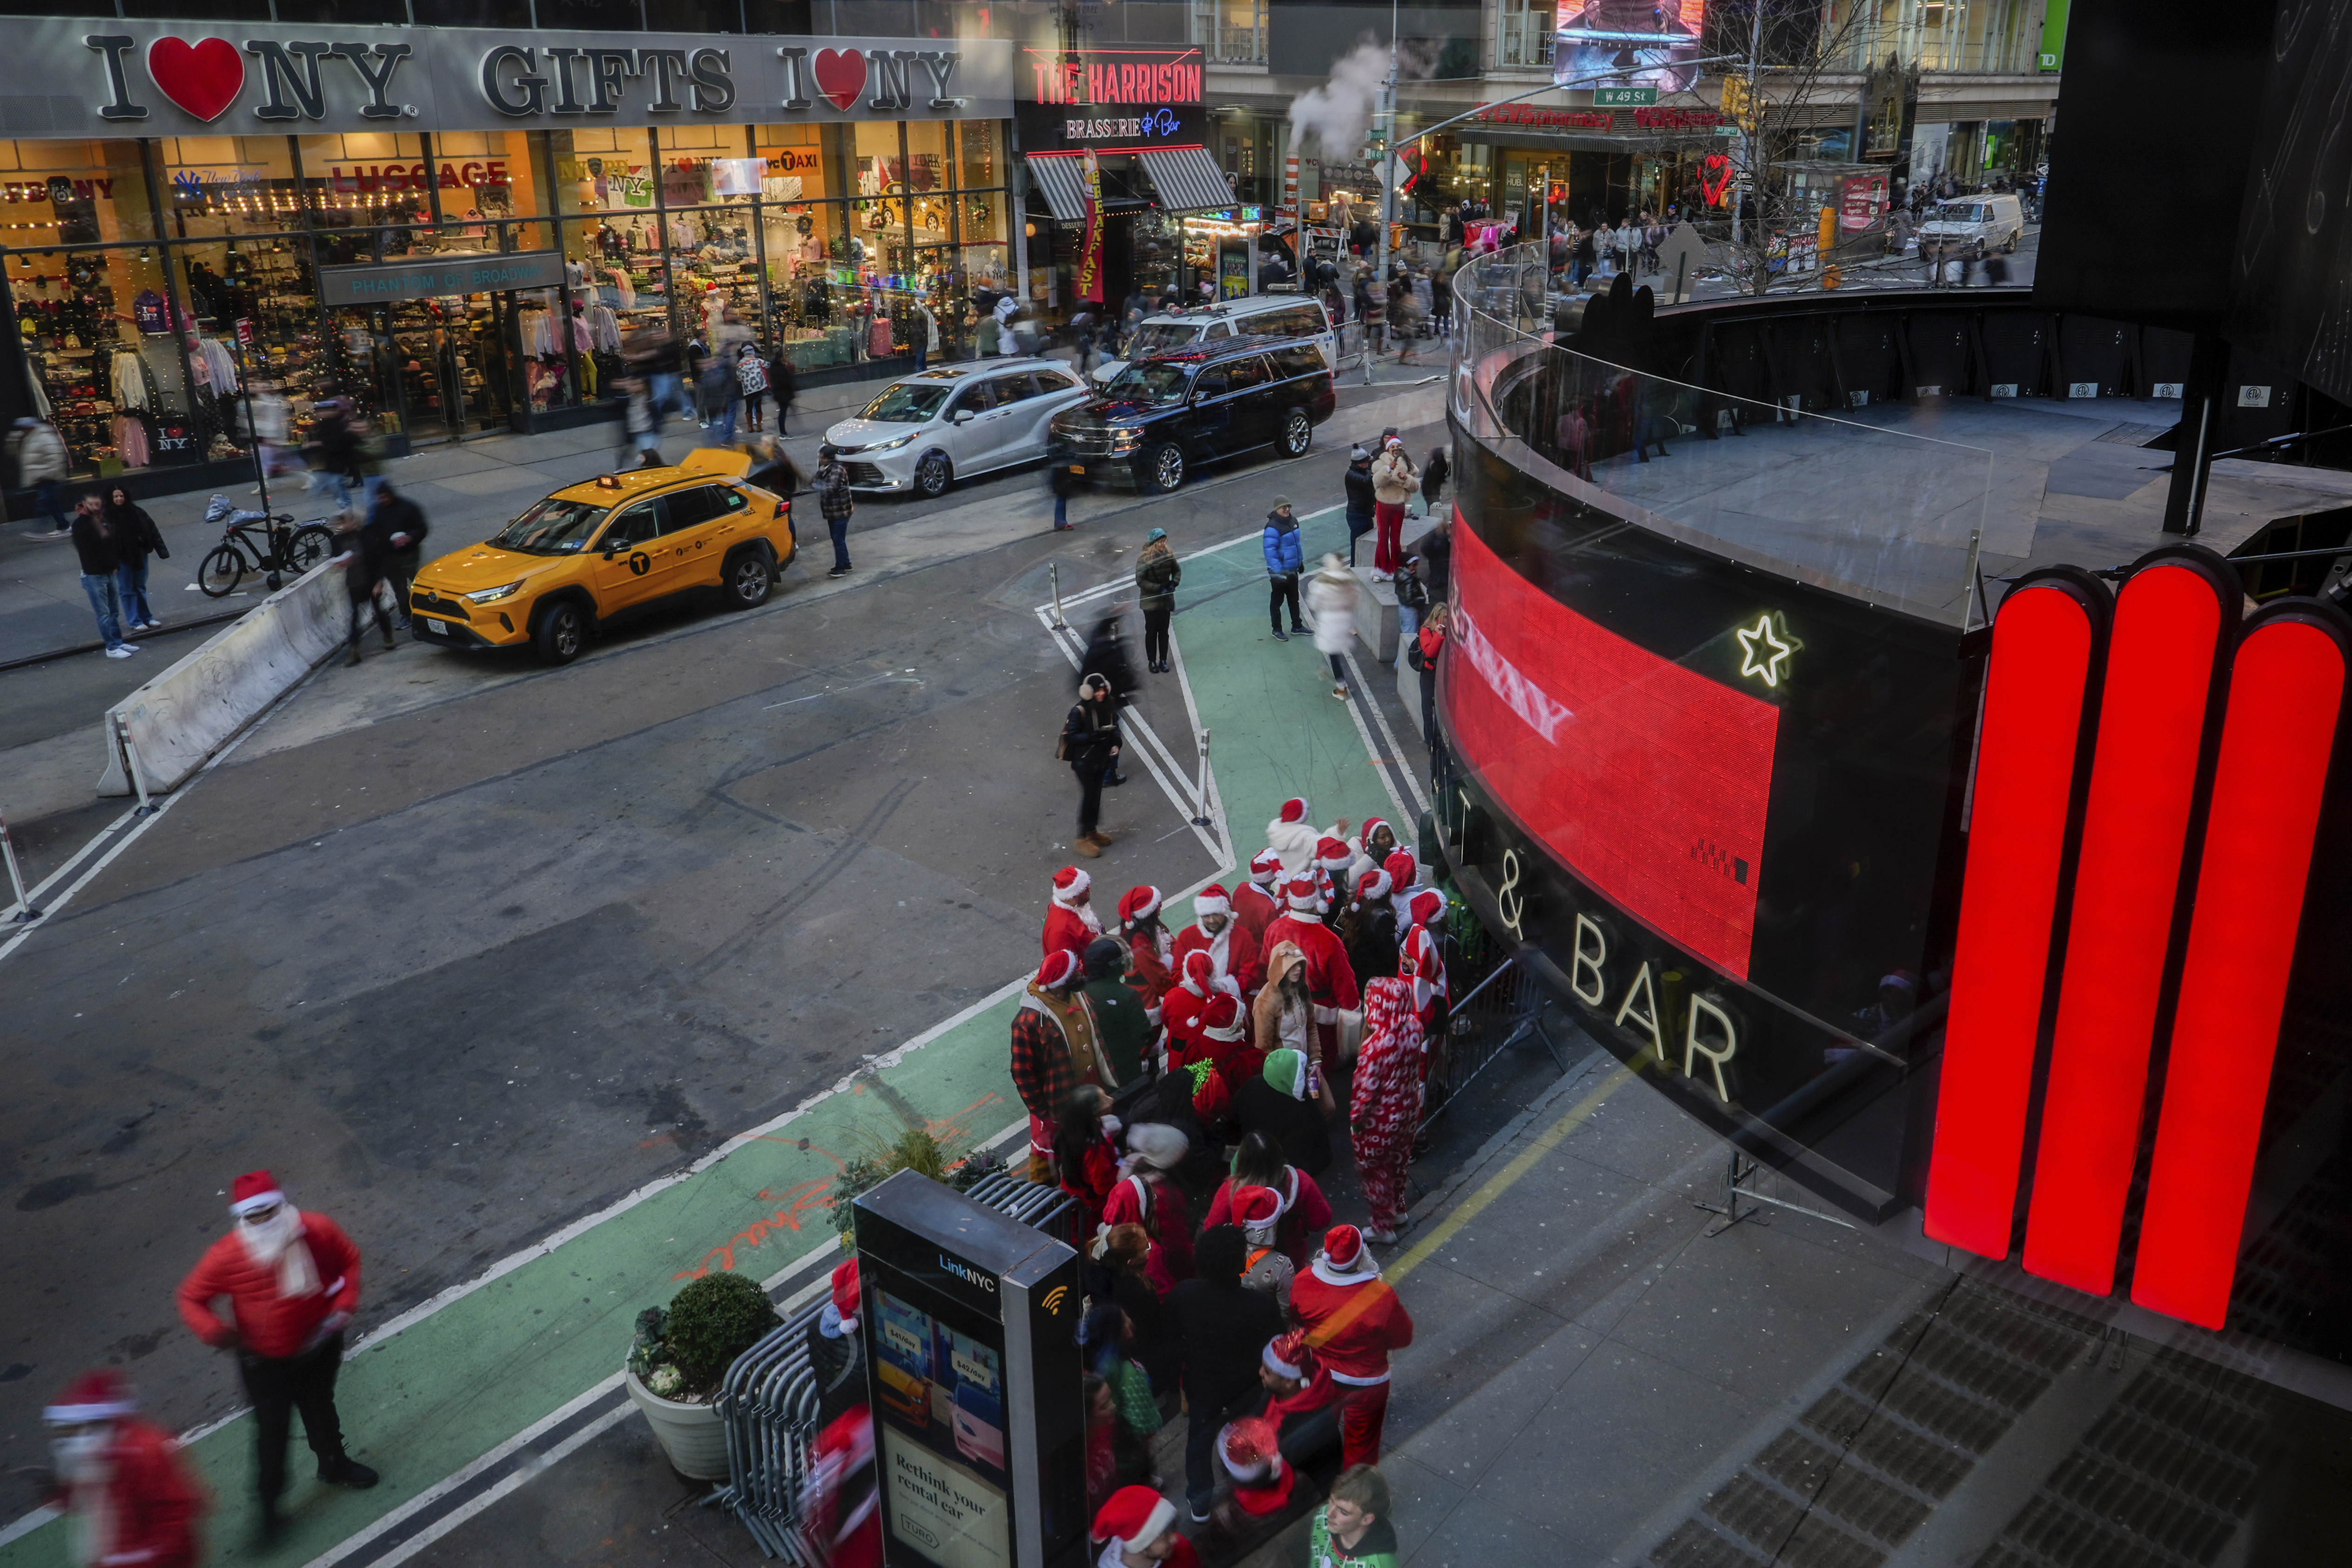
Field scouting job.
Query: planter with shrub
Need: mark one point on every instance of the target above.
(680, 1357)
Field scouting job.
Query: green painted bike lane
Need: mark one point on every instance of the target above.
(427, 1400)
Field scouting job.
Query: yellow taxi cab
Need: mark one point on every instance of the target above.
(602, 550)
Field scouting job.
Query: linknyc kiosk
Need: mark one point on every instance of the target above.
(972, 1347)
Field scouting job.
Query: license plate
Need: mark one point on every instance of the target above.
(1078, 468)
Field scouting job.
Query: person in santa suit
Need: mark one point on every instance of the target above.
(1150, 947)
(1070, 919)
(1305, 1212)
(1219, 1054)
(1422, 945)
(292, 1280)
(1403, 872)
(1354, 1322)
(1180, 1008)
(1384, 1103)
(130, 1498)
(1224, 1035)
(1330, 982)
(1137, 1529)
(1231, 949)
(1249, 1452)
(1254, 901)
(1293, 838)
(841, 1514)
(1054, 1051)
(1301, 1399)
(1147, 1194)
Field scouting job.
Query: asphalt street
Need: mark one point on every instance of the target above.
(464, 949)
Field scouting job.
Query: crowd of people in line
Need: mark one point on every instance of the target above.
(1213, 1071)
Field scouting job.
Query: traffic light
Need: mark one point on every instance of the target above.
(1735, 99)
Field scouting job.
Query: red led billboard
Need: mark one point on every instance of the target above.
(1647, 779)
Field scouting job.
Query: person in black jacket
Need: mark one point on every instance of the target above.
(99, 557)
(363, 562)
(1221, 1328)
(1090, 743)
(1277, 1103)
(1361, 501)
(399, 529)
(135, 537)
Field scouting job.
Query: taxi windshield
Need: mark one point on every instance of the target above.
(1156, 385)
(551, 528)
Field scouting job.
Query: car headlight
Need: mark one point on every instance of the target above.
(487, 596)
(894, 446)
(1123, 438)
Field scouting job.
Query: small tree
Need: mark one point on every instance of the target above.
(684, 1353)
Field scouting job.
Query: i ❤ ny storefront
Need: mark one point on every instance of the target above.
(459, 229)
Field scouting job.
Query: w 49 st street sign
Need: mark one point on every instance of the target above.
(1624, 97)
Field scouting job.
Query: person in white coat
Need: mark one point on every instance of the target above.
(1332, 599)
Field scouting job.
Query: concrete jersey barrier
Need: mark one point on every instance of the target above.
(177, 720)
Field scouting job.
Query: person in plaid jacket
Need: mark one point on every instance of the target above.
(1053, 1051)
(832, 499)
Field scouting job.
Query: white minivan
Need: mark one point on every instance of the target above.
(923, 432)
(1259, 315)
(1998, 220)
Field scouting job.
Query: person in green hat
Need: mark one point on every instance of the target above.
(1280, 1103)
(1157, 572)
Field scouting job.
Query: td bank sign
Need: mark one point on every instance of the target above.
(150, 78)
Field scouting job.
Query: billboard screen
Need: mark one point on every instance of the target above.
(1633, 41)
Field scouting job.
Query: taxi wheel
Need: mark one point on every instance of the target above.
(562, 633)
(748, 581)
(933, 476)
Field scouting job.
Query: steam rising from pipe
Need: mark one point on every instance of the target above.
(1338, 114)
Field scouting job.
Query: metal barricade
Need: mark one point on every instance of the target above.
(767, 1401)
(1503, 1009)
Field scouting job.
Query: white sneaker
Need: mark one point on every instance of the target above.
(1380, 577)
(1380, 1237)
(123, 650)
(131, 646)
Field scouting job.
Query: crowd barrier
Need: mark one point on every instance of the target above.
(157, 737)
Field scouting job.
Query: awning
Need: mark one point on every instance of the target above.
(1187, 179)
(1063, 178)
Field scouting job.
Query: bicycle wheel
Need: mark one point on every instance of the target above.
(310, 544)
(221, 570)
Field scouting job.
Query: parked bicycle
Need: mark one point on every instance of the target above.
(258, 541)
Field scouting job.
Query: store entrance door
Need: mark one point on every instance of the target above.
(452, 356)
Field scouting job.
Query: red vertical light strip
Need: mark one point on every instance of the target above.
(2026, 753)
(2286, 693)
(2160, 674)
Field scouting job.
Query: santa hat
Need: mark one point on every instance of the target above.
(1287, 1070)
(1200, 972)
(1344, 1260)
(1426, 906)
(100, 1395)
(844, 1293)
(1221, 1020)
(1257, 1207)
(1373, 825)
(1135, 1517)
(1070, 884)
(1139, 904)
(1159, 1146)
(1292, 810)
(1333, 856)
(1375, 885)
(1060, 968)
(1211, 900)
(1289, 1355)
(254, 1190)
(1300, 892)
(1253, 1457)
(1265, 867)
(1403, 868)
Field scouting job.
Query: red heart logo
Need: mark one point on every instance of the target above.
(840, 77)
(1714, 176)
(204, 78)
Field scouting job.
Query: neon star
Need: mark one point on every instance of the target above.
(1762, 652)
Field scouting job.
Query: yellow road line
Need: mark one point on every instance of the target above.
(1502, 1181)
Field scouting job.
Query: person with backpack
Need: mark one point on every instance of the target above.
(752, 376)
(1306, 1213)
(833, 499)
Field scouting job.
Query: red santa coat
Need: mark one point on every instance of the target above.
(1253, 910)
(1241, 959)
(150, 1497)
(267, 1323)
(1150, 973)
(1306, 1213)
(1164, 1218)
(1067, 932)
(1330, 979)
(1352, 1326)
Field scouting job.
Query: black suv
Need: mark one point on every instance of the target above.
(1197, 405)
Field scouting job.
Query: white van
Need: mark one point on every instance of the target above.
(1261, 315)
(1998, 220)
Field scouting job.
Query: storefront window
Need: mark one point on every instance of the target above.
(220, 185)
(73, 193)
(983, 153)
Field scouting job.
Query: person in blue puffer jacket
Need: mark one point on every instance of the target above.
(1285, 560)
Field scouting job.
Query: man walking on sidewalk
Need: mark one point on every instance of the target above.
(832, 499)
(400, 529)
(292, 1281)
(38, 455)
(1353, 1320)
(100, 555)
